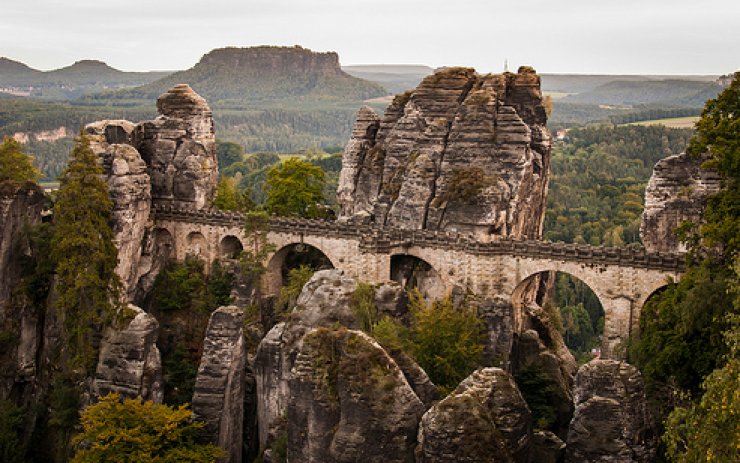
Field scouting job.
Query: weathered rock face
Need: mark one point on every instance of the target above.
(611, 422)
(349, 401)
(130, 189)
(546, 448)
(484, 420)
(170, 160)
(677, 192)
(540, 346)
(129, 363)
(461, 152)
(218, 397)
(179, 147)
(21, 206)
(324, 302)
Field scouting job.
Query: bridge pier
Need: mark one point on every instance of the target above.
(617, 326)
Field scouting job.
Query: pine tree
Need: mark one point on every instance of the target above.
(82, 246)
(15, 165)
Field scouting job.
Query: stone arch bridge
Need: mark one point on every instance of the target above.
(622, 278)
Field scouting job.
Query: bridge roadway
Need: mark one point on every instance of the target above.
(622, 278)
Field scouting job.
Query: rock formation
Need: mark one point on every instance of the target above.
(484, 420)
(611, 421)
(130, 189)
(539, 348)
(179, 147)
(218, 397)
(677, 192)
(324, 302)
(349, 401)
(170, 160)
(129, 363)
(462, 152)
(21, 206)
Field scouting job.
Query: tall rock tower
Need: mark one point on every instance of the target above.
(462, 152)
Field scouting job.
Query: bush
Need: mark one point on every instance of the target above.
(11, 426)
(297, 279)
(537, 388)
(447, 342)
(134, 430)
(363, 306)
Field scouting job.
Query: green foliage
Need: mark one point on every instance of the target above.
(598, 182)
(467, 183)
(180, 372)
(295, 188)
(256, 227)
(538, 388)
(297, 279)
(364, 308)
(680, 338)
(12, 449)
(681, 329)
(185, 286)
(390, 334)
(15, 164)
(229, 198)
(228, 153)
(82, 247)
(447, 342)
(718, 135)
(134, 430)
(709, 430)
(578, 331)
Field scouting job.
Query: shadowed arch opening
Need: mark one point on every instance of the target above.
(293, 256)
(197, 245)
(413, 272)
(230, 247)
(570, 304)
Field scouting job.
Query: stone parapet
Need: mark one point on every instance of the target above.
(376, 239)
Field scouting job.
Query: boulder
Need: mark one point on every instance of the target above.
(462, 152)
(129, 363)
(219, 392)
(676, 192)
(611, 421)
(484, 420)
(349, 401)
(546, 448)
(324, 302)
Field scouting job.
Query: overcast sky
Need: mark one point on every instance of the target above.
(566, 36)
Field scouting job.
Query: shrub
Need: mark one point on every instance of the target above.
(134, 430)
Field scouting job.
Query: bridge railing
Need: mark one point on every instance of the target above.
(373, 238)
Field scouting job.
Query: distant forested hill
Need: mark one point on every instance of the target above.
(394, 78)
(670, 92)
(261, 76)
(68, 83)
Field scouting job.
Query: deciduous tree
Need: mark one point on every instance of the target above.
(15, 164)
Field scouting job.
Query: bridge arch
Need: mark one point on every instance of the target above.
(412, 271)
(230, 247)
(196, 244)
(566, 292)
(290, 256)
(162, 244)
